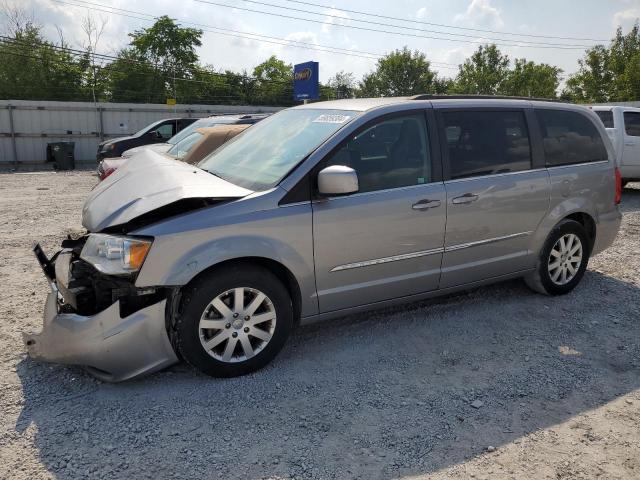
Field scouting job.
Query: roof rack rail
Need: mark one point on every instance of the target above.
(428, 96)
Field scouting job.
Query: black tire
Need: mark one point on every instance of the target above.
(540, 280)
(197, 296)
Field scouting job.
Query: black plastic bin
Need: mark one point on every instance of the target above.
(62, 154)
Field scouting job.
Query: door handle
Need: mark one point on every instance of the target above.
(466, 198)
(629, 144)
(426, 204)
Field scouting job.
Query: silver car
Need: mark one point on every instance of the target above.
(323, 210)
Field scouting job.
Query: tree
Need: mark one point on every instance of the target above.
(274, 82)
(34, 69)
(342, 85)
(170, 49)
(401, 72)
(608, 74)
(484, 73)
(530, 79)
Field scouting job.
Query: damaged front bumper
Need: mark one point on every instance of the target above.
(111, 347)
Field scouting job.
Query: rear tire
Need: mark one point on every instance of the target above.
(233, 321)
(562, 260)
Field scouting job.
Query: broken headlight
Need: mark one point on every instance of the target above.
(115, 255)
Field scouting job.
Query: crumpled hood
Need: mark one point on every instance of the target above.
(156, 147)
(148, 183)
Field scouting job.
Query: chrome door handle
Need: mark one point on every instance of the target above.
(629, 144)
(426, 204)
(466, 198)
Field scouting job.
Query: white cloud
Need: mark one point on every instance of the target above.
(482, 13)
(334, 17)
(626, 18)
(422, 13)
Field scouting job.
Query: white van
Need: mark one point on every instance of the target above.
(623, 127)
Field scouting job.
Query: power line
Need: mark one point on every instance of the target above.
(404, 34)
(386, 24)
(422, 22)
(245, 35)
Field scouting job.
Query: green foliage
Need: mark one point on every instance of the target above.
(608, 74)
(402, 72)
(341, 85)
(530, 79)
(32, 68)
(273, 82)
(484, 73)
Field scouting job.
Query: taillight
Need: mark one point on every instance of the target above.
(618, 197)
(106, 173)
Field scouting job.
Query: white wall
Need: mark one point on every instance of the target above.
(37, 123)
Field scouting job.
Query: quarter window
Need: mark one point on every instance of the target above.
(632, 123)
(390, 154)
(569, 137)
(486, 142)
(606, 116)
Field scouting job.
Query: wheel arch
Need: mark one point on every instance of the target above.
(283, 274)
(587, 222)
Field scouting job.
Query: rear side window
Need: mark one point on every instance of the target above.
(486, 142)
(569, 137)
(632, 123)
(606, 116)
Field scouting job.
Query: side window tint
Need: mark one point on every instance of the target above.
(632, 123)
(166, 130)
(606, 116)
(486, 142)
(569, 137)
(390, 154)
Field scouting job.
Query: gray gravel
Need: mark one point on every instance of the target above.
(494, 383)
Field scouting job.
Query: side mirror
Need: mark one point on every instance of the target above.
(337, 180)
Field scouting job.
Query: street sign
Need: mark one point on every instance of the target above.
(171, 101)
(306, 81)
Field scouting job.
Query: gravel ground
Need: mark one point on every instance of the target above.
(494, 383)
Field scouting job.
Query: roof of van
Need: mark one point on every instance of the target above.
(364, 104)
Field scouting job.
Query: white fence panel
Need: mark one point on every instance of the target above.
(37, 123)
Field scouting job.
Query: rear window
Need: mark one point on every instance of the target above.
(569, 137)
(606, 116)
(486, 142)
(632, 123)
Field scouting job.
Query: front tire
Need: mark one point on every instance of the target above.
(562, 261)
(233, 322)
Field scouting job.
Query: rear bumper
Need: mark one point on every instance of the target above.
(606, 230)
(113, 348)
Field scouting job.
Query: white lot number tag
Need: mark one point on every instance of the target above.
(332, 119)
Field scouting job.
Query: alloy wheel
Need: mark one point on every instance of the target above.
(237, 324)
(565, 259)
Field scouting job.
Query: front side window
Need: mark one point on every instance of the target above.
(181, 148)
(606, 116)
(486, 142)
(569, 137)
(632, 123)
(265, 153)
(390, 154)
(165, 131)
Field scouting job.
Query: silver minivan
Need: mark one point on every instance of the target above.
(319, 211)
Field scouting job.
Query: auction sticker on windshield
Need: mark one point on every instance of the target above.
(332, 119)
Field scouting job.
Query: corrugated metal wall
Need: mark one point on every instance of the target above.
(36, 123)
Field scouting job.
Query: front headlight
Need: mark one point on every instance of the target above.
(114, 255)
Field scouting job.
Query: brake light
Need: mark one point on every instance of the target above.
(108, 171)
(618, 197)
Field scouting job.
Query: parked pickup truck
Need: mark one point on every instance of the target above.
(623, 127)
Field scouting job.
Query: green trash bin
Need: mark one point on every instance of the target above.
(62, 154)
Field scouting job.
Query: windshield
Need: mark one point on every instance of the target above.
(262, 155)
(203, 122)
(181, 148)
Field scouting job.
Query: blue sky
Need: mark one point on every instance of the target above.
(584, 19)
